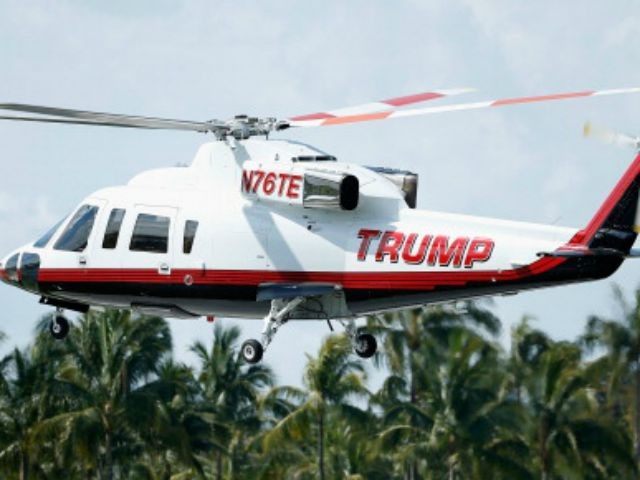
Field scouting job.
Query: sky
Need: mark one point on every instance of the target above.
(202, 59)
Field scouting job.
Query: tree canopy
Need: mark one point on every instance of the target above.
(111, 402)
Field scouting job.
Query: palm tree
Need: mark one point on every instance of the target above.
(406, 332)
(332, 379)
(410, 339)
(351, 447)
(18, 412)
(108, 359)
(25, 387)
(527, 344)
(620, 338)
(172, 425)
(229, 392)
(462, 422)
(568, 434)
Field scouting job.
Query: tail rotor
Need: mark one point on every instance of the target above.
(610, 136)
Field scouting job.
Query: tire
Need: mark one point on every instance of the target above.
(252, 351)
(366, 345)
(59, 327)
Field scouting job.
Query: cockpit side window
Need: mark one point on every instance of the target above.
(44, 240)
(112, 232)
(190, 229)
(150, 234)
(76, 235)
(11, 268)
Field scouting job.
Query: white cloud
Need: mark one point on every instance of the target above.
(22, 219)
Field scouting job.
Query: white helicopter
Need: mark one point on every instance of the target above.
(257, 227)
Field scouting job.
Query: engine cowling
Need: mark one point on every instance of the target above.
(294, 184)
(407, 182)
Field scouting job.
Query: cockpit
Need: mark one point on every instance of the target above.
(105, 236)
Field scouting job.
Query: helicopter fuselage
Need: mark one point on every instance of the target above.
(217, 238)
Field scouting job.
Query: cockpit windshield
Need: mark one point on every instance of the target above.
(76, 235)
(44, 240)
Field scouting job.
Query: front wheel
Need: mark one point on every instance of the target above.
(366, 345)
(252, 351)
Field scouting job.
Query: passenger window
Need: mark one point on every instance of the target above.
(113, 228)
(75, 236)
(44, 240)
(151, 234)
(190, 229)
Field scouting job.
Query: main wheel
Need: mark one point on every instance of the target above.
(252, 351)
(59, 327)
(366, 345)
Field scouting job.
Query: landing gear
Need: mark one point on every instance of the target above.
(252, 350)
(59, 326)
(364, 344)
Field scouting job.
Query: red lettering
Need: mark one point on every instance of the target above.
(283, 181)
(480, 250)
(366, 235)
(259, 174)
(443, 254)
(269, 184)
(418, 257)
(390, 244)
(294, 186)
(247, 178)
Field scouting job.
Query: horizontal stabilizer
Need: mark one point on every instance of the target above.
(590, 252)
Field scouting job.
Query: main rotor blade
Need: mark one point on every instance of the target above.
(82, 117)
(69, 122)
(367, 117)
(383, 105)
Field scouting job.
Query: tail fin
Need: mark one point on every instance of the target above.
(617, 222)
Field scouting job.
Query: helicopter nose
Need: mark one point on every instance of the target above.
(9, 268)
(2, 274)
(20, 269)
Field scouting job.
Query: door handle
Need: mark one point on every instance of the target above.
(164, 268)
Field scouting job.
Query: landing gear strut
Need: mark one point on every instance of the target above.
(252, 350)
(364, 344)
(59, 326)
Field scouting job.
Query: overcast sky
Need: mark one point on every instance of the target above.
(205, 59)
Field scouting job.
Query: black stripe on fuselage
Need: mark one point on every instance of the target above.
(571, 270)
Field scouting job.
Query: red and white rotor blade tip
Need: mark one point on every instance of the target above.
(368, 117)
(382, 105)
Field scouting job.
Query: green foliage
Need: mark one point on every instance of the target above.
(110, 402)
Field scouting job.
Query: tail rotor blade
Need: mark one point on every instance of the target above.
(609, 136)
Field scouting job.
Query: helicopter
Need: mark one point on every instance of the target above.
(259, 227)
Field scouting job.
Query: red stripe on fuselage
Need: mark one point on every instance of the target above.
(348, 280)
